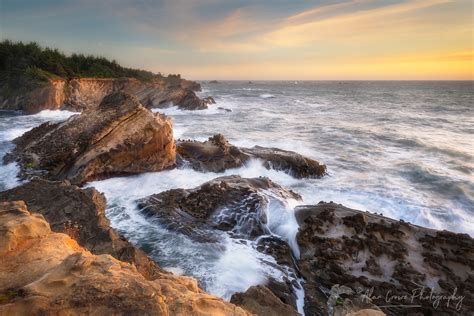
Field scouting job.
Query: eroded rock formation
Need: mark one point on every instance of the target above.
(261, 301)
(56, 276)
(217, 155)
(83, 93)
(231, 203)
(383, 261)
(119, 136)
(80, 213)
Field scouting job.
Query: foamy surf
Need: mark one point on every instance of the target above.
(386, 147)
(223, 269)
(14, 126)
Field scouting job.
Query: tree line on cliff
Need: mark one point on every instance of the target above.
(24, 67)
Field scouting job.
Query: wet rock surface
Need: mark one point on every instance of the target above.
(183, 98)
(217, 154)
(80, 213)
(118, 137)
(232, 204)
(58, 277)
(390, 262)
(260, 300)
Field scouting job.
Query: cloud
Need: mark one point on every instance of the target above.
(269, 38)
(307, 27)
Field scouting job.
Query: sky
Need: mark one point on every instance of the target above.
(259, 39)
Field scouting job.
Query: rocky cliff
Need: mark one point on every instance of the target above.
(119, 136)
(80, 213)
(42, 272)
(82, 93)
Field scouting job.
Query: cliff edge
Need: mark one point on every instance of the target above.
(59, 277)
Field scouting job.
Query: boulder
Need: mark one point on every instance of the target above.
(230, 203)
(46, 273)
(80, 213)
(184, 99)
(381, 261)
(118, 137)
(234, 205)
(259, 300)
(217, 154)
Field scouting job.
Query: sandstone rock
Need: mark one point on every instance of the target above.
(366, 312)
(261, 301)
(217, 155)
(383, 261)
(83, 93)
(119, 136)
(80, 213)
(49, 273)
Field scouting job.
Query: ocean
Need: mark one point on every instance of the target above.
(404, 149)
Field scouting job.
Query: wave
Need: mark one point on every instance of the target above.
(54, 115)
(415, 143)
(9, 174)
(267, 96)
(175, 111)
(431, 180)
(222, 269)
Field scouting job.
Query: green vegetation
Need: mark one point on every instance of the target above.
(10, 295)
(24, 67)
(30, 165)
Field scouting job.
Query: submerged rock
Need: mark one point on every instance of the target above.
(80, 213)
(42, 272)
(217, 154)
(383, 262)
(119, 136)
(230, 203)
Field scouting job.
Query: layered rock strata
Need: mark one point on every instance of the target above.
(83, 93)
(57, 276)
(118, 137)
(80, 213)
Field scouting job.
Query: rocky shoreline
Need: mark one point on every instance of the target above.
(78, 94)
(345, 260)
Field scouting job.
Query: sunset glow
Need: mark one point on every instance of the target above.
(359, 39)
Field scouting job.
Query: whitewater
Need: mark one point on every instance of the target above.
(402, 149)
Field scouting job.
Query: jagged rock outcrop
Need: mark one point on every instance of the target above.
(259, 300)
(217, 155)
(390, 262)
(119, 136)
(83, 93)
(80, 213)
(230, 203)
(42, 272)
